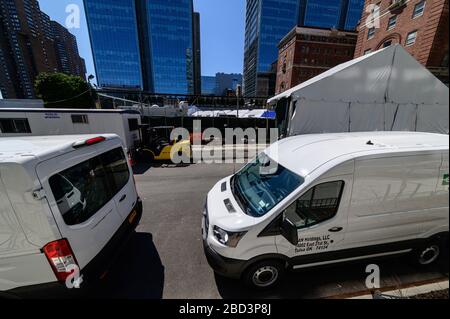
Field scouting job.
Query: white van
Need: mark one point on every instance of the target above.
(66, 203)
(328, 198)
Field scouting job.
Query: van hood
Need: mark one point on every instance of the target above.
(230, 218)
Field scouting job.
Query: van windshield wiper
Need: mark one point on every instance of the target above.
(241, 200)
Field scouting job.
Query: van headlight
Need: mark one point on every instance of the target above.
(227, 238)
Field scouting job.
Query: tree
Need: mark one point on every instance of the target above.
(59, 90)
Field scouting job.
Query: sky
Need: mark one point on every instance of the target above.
(222, 32)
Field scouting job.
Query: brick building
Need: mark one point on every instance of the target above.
(421, 26)
(68, 57)
(307, 52)
(27, 47)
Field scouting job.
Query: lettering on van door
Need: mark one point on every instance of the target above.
(313, 244)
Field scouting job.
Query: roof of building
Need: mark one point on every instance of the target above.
(48, 110)
(316, 31)
(304, 154)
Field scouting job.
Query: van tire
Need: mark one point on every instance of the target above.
(264, 274)
(146, 157)
(428, 254)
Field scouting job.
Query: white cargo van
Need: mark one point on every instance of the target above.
(320, 199)
(66, 203)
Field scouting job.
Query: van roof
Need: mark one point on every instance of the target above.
(27, 148)
(305, 153)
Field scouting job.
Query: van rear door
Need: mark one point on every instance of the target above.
(80, 192)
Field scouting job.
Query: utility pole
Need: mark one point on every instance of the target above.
(238, 95)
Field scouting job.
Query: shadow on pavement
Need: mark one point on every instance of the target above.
(137, 273)
(141, 168)
(338, 281)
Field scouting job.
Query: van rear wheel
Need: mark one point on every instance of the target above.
(264, 274)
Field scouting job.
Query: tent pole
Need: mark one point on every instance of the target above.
(349, 117)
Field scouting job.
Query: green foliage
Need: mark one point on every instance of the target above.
(59, 90)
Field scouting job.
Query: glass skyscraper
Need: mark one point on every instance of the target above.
(339, 14)
(168, 56)
(353, 14)
(114, 38)
(143, 44)
(323, 14)
(268, 21)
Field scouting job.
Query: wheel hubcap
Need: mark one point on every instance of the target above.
(429, 255)
(265, 276)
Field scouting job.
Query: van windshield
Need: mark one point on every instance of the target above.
(82, 190)
(262, 184)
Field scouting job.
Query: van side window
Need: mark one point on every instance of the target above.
(317, 205)
(82, 190)
(116, 167)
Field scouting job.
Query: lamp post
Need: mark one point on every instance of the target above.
(90, 78)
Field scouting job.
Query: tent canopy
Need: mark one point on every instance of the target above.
(384, 90)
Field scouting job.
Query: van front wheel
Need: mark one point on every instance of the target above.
(264, 274)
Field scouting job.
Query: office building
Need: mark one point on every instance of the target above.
(149, 45)
(306, 52)
(167, 45)
(208, 85)
(113, 31)
(226, 82)
(268, 21)
(421, 26)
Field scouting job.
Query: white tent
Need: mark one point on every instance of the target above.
(382, 91)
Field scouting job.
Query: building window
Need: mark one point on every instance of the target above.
(367, 51)
(411, 38)
(418, 9)
(392, 22)
(133, 124)
(371, 33)
(80, 119)
(444, 62)
(387, 44)
(14, 126)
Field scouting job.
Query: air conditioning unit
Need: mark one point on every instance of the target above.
(397, 4)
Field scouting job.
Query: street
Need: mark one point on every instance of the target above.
(165, 258)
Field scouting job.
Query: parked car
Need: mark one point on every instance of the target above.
(66, 203)
(314, 200)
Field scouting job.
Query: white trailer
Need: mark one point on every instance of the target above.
(39, 122)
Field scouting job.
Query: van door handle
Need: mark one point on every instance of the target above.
(335, 229)
(122, 198)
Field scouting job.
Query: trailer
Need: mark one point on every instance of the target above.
(42, 122)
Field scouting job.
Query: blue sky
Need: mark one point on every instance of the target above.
(222, 28)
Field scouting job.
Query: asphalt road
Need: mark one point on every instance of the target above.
(165, 258)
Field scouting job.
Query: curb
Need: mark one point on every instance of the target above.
(407, 291)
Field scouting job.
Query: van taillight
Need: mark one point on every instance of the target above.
(60, 256)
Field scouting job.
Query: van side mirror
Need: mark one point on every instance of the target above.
(289, 231)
